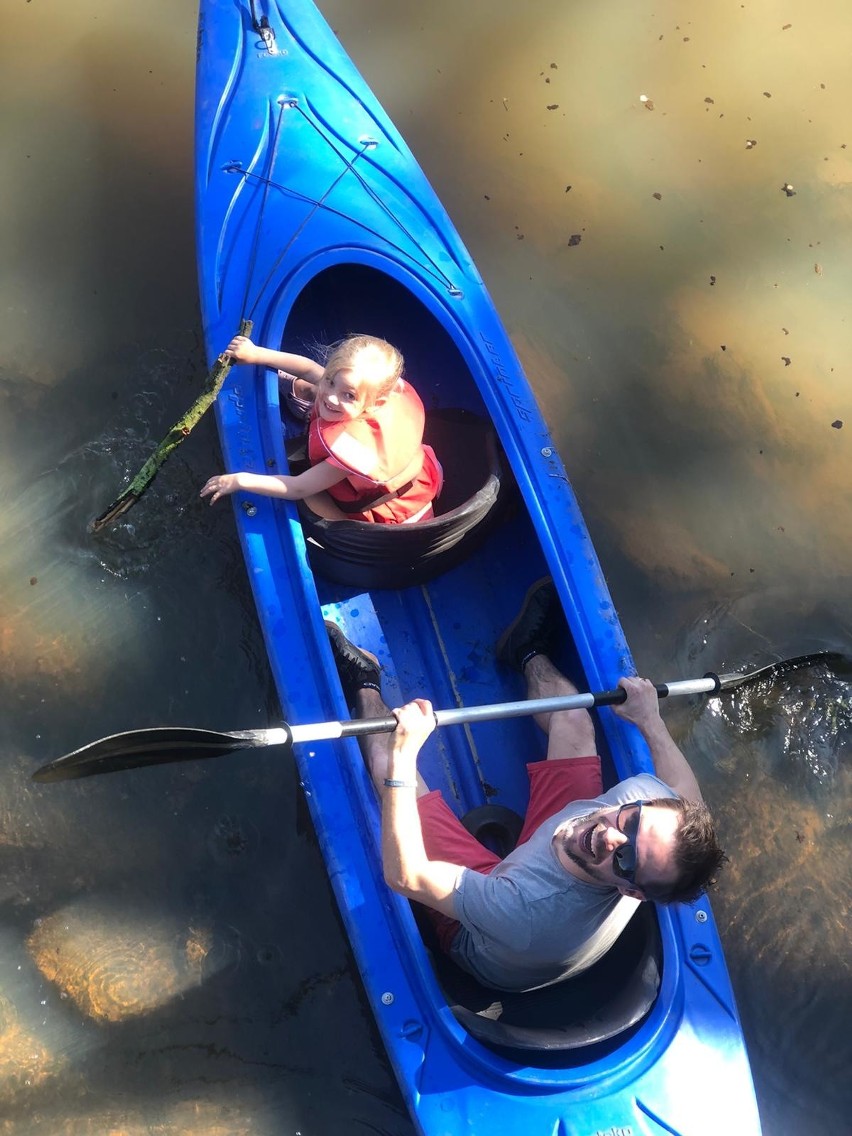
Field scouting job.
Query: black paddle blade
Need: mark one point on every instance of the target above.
(138, 748)
(836, 662)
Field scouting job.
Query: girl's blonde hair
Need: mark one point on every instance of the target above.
(378, 361)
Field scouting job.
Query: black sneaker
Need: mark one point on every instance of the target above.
(535, 628)
(355, 667)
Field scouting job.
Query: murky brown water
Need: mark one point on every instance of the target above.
(690, 351)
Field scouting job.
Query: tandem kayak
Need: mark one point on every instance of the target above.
(314, 221)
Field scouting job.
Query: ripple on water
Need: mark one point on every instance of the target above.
(116, 964)
(233, 838)
(91, 477)
(783, 901)
(773, 757)
(99, 472)
(801, 726)
(802, 719)
(269, 954)
(24, 1062)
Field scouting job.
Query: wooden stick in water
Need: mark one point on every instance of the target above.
(172, 440)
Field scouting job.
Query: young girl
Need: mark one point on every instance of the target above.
(365, 439)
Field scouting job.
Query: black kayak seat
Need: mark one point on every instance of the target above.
(477, 489)
(604, 1002)
(495, 826)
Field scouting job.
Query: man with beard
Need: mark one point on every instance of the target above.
(585, 858)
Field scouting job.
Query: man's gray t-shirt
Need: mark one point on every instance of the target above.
(530, 922)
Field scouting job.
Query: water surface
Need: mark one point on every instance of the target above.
(171, 953)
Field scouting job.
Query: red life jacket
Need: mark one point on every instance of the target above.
(391, 475)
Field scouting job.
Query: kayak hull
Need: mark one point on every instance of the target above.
(314, 220)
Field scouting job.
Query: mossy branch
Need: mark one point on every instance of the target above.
(172, 440)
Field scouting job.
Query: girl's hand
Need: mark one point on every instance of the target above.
(242, 350)
(220, 486)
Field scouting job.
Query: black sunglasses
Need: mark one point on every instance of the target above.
(624, 857)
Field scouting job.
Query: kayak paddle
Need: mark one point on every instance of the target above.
(164, 744)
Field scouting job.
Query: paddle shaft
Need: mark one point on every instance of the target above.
(160, 745)
(359, 727)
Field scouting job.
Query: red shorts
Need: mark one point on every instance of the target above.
(553, 785)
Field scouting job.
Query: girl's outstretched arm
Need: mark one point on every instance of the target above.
(242, 350)
(293, 488)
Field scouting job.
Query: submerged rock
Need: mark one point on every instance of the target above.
(114, 966)
(24, 1062)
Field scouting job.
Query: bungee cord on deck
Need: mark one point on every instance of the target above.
(426, 262)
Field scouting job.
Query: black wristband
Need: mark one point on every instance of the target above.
(392, 783)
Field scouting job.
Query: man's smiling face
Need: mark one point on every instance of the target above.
(621, 846)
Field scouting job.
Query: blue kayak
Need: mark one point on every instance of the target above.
(314, 221)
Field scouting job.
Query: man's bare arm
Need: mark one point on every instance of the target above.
(642, 708)
(406, 867)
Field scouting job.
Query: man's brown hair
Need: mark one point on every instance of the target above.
(697, 855)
